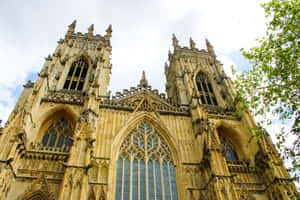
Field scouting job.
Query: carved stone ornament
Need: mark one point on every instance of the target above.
(70, 43)
(175, 41)
(72, 27)
(48, 58)
(39, 189)
(102, 195)
(63, 60)
(57, 76)
(143, 98)
(29, 84)
(192, 44)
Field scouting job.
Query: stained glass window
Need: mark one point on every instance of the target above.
(57, 136)
(77, 74)
(205, 90)
(228, 150)
(145, 160)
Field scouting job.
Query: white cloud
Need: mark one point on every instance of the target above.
(141, 35)
(227, 63)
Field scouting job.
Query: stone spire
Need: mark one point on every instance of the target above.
(91, 30)
(108, 32)
(210, 49)
(192, 44)
(175, 41)
(143, 81)
(72, 27)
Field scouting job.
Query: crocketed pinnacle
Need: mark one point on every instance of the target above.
(144, 82)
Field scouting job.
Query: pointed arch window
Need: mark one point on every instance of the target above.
(58, 136)
(205, 89)
(145, 168)
(228, 150)
(77, 74)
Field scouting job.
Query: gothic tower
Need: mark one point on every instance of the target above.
(231, 163)
(68, 138)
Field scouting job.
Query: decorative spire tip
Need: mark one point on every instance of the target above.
(192, 44)
(72, 27)
(144, 82)
(109, 29)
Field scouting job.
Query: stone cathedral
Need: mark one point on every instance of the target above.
(69, 138)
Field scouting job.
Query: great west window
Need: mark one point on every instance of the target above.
(77, 74)
(145, 168)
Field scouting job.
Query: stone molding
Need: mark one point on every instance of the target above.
(65, 96)
(130, 100)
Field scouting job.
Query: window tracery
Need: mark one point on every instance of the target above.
(145, 160)
(228, 150)
(205, 90)
(58, 136)
(77, 74)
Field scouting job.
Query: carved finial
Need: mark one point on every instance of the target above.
(48, 58)
(210, 49)
(144, 75)
(169, 55)
(72, 27)
(91, 30)
(29, 84)
(192, 44)
(144, 82)
(109, 29)
(207, 42)
(166, 67)
(108, 32)
(175, 41)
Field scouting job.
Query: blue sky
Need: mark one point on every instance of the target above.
(142, 32)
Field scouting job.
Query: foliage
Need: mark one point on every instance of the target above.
(271, 88)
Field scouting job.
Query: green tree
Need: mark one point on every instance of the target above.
(272, 86)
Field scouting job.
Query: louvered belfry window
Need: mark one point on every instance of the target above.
(58, 136)
(205, 89)
(77, 74)
(145, 168)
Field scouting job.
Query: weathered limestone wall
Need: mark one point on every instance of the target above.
(191, 128)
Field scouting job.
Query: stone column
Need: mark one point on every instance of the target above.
(75, 182)
(6, 178)
(221, 179)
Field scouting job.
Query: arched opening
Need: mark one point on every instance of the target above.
(229, 151)
(58, 135)
(56, 132)
(145, 166)
(77, 74)
(36, 195)
(205, 90)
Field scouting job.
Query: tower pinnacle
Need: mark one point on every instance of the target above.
(192, 44)
(91, 30)
(108, 32)
(175, 41)
(72, 27)
(143, 81)
(210, 49)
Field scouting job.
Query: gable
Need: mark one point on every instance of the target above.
(143, 99)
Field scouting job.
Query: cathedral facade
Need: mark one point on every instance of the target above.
(68, 138)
